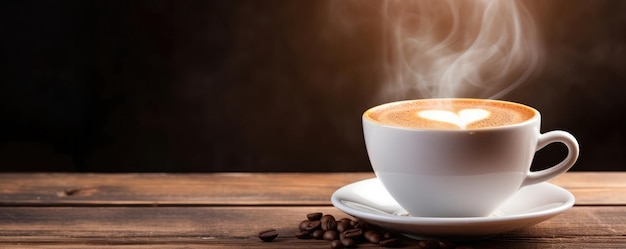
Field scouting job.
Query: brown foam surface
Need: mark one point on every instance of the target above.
(405, 114)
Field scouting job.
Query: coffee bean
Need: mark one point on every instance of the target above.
(331, 235)
(353, 222)
(343, 226)
(348, 242)
(354, 233)
(314, 216)
(303, 234)
(372, 236)
(327, 216)
(317, 234)
(347, 232)
(344, 220)
(463, 247)
(336, 244)
(389, 235)
(361, 225)
(307, 225)
(428, 244)
(446, 245)
(328, 222)
(392, 242)
(268, 235)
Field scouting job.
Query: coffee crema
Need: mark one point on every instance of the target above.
(452, 114)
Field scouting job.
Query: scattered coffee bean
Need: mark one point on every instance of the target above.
(328, 222)
(446, 245)
(463, 247)
(331, 235)
(268, 235)
(353, 222)
(389, 235)
(307, 225)
(344, 220)
(361, 225)
(372, 236)
(314, 216)
(348, 242)
(354, 233)
(318, 234)
(347, 233)
(303, 234)
(392, 242)
(428, 244)
(343, 226)
(336, 244)
(327, 216)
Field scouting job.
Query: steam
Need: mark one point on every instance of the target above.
(449, 48)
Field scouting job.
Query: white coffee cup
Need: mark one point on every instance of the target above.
(442, 171)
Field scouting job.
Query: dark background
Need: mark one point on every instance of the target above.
(267, 85)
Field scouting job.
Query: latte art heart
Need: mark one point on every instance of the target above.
(461, 119)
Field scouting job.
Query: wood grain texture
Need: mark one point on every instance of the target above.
(237, 227)
(227, 210)
(172, 189)
(222, 189)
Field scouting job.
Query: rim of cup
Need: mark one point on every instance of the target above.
(536, 115)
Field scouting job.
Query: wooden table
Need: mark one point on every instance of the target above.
(227, 210)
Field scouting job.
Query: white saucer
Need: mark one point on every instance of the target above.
(368, 200)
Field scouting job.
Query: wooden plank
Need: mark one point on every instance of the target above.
(237, 227)
(599, 180)
(172, 189)
(556, 243)
(54, 189)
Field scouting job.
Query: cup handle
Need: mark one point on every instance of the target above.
(534, 177)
